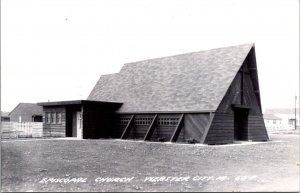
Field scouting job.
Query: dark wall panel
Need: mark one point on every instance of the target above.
(165, 127)
(232, 96)
(141, 125)
(256, 129)
(195, 125)
(249, 96)
(97, 123)
(181, 136)
(221, 130)
(120, 125)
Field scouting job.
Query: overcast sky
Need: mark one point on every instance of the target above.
(57, 50)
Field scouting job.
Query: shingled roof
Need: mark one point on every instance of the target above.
(27, 109)
(194, 81)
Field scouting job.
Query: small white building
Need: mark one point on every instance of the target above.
(281, 119)
(273, 122)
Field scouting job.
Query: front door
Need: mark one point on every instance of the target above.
(240, 124)
(79, 124)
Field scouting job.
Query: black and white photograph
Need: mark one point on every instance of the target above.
(150, 96)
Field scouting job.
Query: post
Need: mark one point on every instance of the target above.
(151, 128)
(128, 128)
(295, 112)
(177, 129)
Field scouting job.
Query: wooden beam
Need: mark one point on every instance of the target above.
(254, 69)
(128, 128)
(177, 129)
(207, 127)
(151, 129)
(242, 84)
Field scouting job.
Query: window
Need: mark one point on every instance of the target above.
(53, 118)
(123, 120)
(167, 121)
(143, 120)
(274, 121)
(47, 118)
(58, 118)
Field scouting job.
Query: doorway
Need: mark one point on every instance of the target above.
(241, 124)
(79, 125)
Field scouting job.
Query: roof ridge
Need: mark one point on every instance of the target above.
(207, 50)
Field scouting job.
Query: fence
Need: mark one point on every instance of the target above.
(12, 130)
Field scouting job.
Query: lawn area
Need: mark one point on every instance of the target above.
(29, 165)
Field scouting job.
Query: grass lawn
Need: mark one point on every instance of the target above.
(268, 166)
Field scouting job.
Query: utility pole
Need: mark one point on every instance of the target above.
(295, 112)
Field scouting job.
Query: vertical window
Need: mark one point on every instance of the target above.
(53, 117)
(58, 118)
(274, 121)
(48, 118)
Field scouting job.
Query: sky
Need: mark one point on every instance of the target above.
(57, 50)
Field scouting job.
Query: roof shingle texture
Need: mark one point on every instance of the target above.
(188, 82)
(27, 109)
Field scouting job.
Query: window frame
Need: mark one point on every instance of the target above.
(58, 118)
(48, 118)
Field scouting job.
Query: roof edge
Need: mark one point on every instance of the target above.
(252, 45)
(76, 102)
(167, 112)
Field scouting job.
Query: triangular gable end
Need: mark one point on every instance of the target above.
(243, 96)
(235, 91)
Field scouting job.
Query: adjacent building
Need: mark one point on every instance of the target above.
(281, 118)
(26, 112)
(5, 116)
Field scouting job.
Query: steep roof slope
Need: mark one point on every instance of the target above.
(27, 109)
(188, 82)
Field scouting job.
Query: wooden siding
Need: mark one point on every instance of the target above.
(195, 125)
(120, 124)
(257, 129)
(151, 128)
(234, 93)
(54, 130)
(242, 92)
(233, 96)
(249, 96)
(162, 132)
(140, 126)
(181, 137)
(221, 129)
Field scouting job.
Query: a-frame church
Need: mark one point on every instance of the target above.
(210, 97)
